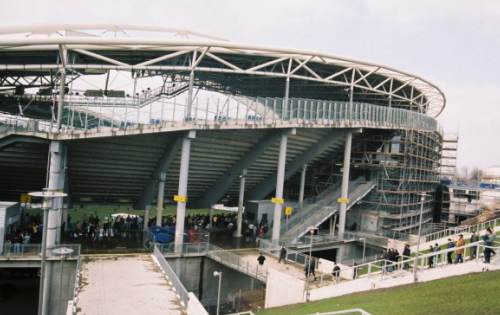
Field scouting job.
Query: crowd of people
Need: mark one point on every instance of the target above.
(26, 231)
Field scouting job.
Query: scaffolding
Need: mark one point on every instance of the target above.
(405, 164)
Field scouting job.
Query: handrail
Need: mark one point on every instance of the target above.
(232, 260)
(349, 311)
(172, 276)
(299, 112)
(461, 229)
(76, 288)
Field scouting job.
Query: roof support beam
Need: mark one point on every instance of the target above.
(267, 186)
(10, 140)
(151, 186)
(222, 185)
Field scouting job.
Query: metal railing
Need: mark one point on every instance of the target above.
(234, 261)
(315, 213)
(187, 249)
(19, 250)
(291, 255)
(461, 229)
(76, 289)
(81, 117)
(172, 276)
(349, 311)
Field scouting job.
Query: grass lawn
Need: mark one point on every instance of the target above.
(78, 211)
(473, 294)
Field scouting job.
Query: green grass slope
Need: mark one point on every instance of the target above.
(473, 294)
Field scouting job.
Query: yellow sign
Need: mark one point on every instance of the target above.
(288, 211)
(25, 198)
(180, 198)
(343, 200)
(277, 200)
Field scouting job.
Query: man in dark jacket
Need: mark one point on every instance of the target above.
(406, 256)
(282, 255)
(449, 254)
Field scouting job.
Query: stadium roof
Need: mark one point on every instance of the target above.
(236, 68)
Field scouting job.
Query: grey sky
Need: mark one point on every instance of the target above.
(455, 44)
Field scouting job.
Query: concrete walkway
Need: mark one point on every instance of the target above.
(402, 277)
(271, 262)
(122, 284)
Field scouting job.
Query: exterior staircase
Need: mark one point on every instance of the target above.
(317, 210)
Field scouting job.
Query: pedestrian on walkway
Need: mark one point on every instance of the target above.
(460, 250)
(435, 258)
(406, 256)
(282, 255)
(473, 250)
(488, 239)
(261, 259)
(430, 259)
(336, 272)
(354, 271)
(449, 254)
(309, 267)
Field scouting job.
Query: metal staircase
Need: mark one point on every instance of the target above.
(318, 209)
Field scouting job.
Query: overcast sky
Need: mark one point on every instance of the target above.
(455, 44)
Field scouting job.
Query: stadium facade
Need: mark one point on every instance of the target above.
(111, 113)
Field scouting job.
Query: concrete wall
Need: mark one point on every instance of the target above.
(194, 306)
(61, 284)
(283, 289)
(196, 273)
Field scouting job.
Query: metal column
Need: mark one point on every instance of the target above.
(181, 197)
(62, 83)
(240, 203)
(280, 180)
(345, 185)
(302, 183)
(159, 199)
(189, 104)
(56, 183)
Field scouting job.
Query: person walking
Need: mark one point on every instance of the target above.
(354, 271)
(435, 258)
(336, 272)
(460, 250)
(473, 250)
(261, 259)
(406, 256)
(449, 254)
(488, 239)
(282, 255)
(430, 259)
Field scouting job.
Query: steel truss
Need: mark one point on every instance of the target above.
(152, 57)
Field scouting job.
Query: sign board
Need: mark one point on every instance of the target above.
(179, 198)
(343, 200)
(277, 200)
(288, 211)
(25, 198)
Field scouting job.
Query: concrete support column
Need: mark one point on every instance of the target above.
(57, 161)
(241, 199)
(159, 199)
(345, 185)
(146, 221)
(302, 183)
(280, 180)
(181, 197)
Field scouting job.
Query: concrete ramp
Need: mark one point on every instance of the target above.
(118, 284)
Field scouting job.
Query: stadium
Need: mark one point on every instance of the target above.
(139, 116)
